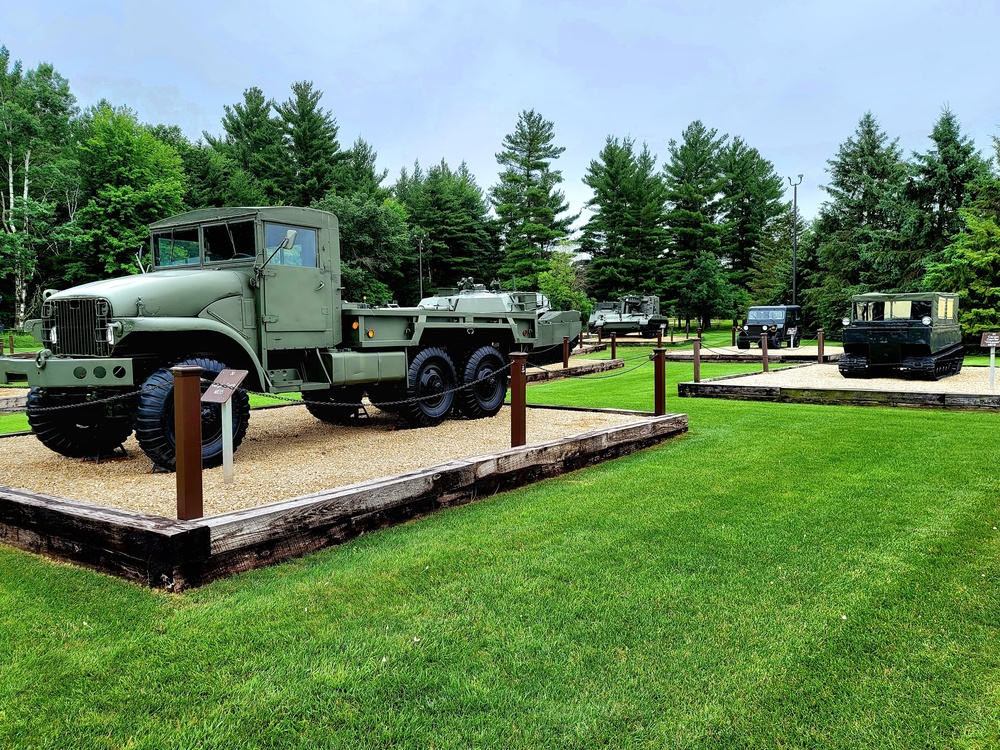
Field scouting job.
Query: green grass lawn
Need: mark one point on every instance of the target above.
(783, 576)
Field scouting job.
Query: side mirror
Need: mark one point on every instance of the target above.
(286, 244)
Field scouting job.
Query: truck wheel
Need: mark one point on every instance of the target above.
(485, 376)
(334, 405)
(81, 430)
(154, 417)
(431, 379)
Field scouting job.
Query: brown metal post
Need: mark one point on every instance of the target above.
(565, 352)
(518, 379)
(699, 333)
(11, 340)
(187, 433)
(819, 345)
(600, 333)
(659, 337)
(671, 335)
(697, 361)
(734, 335)
(659, 386)
(614, 345)
(763, 349)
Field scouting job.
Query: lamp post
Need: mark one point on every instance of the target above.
(795, 231)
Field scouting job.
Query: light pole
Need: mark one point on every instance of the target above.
(795, 230)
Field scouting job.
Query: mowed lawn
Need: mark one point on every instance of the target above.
(783, 576)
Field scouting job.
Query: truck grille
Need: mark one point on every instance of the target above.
(80, 325)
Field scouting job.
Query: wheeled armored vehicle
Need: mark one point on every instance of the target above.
(259, 289)
(782, 323)
(629, 314)
(903, 335)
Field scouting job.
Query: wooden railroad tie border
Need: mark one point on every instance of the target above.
(175, 555)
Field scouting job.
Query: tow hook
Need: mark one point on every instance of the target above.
(42, 357)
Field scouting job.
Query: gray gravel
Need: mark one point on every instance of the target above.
(286, 453)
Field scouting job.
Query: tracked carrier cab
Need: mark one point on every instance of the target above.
(903, 335)
(781, 322)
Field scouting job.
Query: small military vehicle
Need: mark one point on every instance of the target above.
(913, 335)
(629, 314)
(782, 323)
(259, 289)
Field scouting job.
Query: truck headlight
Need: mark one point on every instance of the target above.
(926, 320)
(846, 322)
(53, 336)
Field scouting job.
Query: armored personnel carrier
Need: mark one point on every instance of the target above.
(780, 322)
(629, 314)
(905, 335)
(259, 289)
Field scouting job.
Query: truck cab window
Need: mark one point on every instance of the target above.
(303, 254)
(179, 247)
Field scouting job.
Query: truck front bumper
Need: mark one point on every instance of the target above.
(45, 370)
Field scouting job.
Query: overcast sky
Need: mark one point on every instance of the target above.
(447, 79)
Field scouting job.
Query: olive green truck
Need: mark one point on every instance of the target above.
(259, 289)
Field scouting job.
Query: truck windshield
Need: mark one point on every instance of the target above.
(230, 241)
(900, 309)
(177, 247)
(767, 317)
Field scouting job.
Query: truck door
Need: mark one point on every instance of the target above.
(296, 293)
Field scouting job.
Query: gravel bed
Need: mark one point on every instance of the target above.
(974, 380)
(287, 452)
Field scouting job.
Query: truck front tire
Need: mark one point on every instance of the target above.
(78, 429)
(154, 417)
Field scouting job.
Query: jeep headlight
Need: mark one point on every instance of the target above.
(926, 320)
(846, 322)
(746, 328)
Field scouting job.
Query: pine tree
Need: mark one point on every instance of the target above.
(625, 234)
(938, 186)
(253, 144)
(694, 182)
(311, 142)
(530, 207)
(752, 201)
(860, 231)
(970, 265)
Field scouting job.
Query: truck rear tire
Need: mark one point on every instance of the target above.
(485, 369)
(154, 417)
(81, 430)
(430, 388)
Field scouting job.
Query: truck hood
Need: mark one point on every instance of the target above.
(163, 293)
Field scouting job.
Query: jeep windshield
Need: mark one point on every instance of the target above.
(765, 317)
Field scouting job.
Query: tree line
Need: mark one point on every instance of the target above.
(709, 229)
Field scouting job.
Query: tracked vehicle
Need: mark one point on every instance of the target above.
(914, 335)
(259, 289)
(629, 314)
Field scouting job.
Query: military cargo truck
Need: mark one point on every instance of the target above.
(259, 289)
(629, 314)
(905, 335)
(782, 323)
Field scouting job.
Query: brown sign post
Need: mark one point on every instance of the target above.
(518, 398)
(221, 392)
(187, 433)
